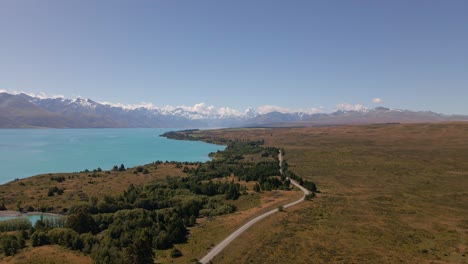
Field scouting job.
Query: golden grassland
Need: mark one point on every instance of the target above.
(48, 255)
(79, 187)
(390, 194)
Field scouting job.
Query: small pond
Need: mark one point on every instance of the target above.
(33, 218)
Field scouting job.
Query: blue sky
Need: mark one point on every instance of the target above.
(289, 54)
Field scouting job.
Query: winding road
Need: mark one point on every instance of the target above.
(218, 248)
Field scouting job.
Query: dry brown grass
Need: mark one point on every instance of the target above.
(390, 194)
(47, 255)
(210, 231)
(78, 187)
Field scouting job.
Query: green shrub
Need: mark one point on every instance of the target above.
(54, 190)
(82, 221)
(88, 241)
(223, 209)
(57, 178)
(10, 245)
(39, 238)
(175, 253)
(15, 224)
(310, 196)
(65, 237)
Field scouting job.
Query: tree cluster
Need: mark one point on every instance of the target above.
(305, 183)
(54, 190)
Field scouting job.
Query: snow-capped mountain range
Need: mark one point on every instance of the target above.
(23, 110)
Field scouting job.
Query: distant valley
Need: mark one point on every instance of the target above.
(25, 111)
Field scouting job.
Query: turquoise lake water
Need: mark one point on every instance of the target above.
(33, 218)
(28, 152)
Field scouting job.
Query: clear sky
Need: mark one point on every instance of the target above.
(291, 54)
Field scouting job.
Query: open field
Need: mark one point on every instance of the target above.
(390, 193)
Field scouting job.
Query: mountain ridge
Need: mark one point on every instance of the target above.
(26, 111)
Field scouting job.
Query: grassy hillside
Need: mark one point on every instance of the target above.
(33, 192)
(48, 255)
(390, 193)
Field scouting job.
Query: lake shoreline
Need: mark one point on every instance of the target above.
(54, 151)
(11, 213)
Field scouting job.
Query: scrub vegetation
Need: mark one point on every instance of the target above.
(389, 193)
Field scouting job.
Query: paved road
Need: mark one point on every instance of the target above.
(218, 248)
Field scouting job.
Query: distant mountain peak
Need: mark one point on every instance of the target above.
(82, 102)
(250, 113)
(25, 110)
(381, 108)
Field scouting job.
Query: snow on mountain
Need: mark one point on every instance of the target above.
(195, 112)
(26, 110)
(249, 113)
(85, 102)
